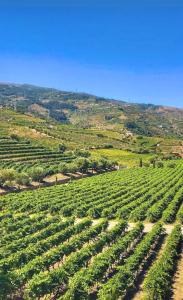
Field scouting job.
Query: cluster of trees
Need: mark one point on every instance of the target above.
(155, 162)
(10, 177)
(83, 164)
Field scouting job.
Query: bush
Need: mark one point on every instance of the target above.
(7, 176)
(37, 174)
(23, 179)
(82, 164)
(72, 167)
(160, 164)
(63, 168)
(94, 165)
(82, 153)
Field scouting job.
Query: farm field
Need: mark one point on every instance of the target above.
(124, 158)
(21, 155)
(104, 237)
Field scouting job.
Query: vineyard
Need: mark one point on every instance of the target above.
(21, 155)
(88, 239)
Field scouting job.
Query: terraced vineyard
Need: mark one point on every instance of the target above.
(83, 240)
(21, 155)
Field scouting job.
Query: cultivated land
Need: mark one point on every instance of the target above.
(117, 235)
(73, 241)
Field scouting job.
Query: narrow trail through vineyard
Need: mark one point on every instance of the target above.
(178, 280)
(148, 227)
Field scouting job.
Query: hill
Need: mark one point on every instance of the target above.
(88, 111)
(108, 236)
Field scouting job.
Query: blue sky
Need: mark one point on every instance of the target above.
(129, 50)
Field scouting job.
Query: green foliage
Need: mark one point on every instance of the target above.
(5, 284)
(82, 153)
(7, 175)
(127, 273)
(159, 278)
(23, 179)
(83, 164)
(171, 165)
(49, 243)
(63, 168)
(159, 164)
(37, 174)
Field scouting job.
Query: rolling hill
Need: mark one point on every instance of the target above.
(88, 111)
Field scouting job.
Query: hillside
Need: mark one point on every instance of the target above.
(64, 238)
(87, 111)
(83, 240)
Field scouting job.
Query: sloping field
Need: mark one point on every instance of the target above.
(21, 155)
(75, 241)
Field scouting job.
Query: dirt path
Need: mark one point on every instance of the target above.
(112, 224)
(178, 280)
(148, 227)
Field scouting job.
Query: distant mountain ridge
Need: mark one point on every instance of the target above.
(86, 111)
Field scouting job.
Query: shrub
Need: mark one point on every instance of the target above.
(37, 174)
(7, 176)
(82, 153)
(160, 164)
(23, 179)
(94, 165)
(82, 164)
(63, 168)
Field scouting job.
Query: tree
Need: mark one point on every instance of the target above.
(7, 176)
(82, 164)
(63, 168)
(23, 179)
(94, 165)
(103, 163)
(37, 174)
(82, 153)
(72, 167)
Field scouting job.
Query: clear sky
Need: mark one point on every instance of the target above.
(130, 50)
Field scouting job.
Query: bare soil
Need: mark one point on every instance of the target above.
(178, 280)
